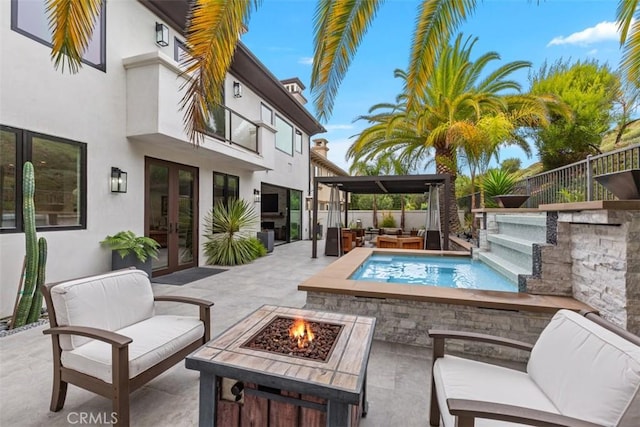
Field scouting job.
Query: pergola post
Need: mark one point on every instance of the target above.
(314, 222)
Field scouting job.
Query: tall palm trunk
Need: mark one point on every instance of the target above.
(375, 212)
(445, 161)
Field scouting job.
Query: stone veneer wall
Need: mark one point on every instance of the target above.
(606, 265)
(596, 259)
(407, 322)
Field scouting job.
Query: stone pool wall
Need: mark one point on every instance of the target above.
(407, 322)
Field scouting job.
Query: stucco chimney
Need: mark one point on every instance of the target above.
(295, 87)
(320, 147)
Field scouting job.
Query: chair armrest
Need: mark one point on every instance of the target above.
(103, 335)
(473, 336)
(186, 300)
(470, 409)
(205, 309)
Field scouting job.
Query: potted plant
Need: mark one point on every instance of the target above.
(129, 250)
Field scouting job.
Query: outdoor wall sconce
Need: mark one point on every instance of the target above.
(162, 35)
(118, 180)
(256, 195)
(237, 90)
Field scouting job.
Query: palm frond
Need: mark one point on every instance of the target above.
(340, 26)
(437, 20)
(630, 63)
(71, 23)
(213, 32)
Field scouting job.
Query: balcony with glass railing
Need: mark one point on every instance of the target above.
(230, 126)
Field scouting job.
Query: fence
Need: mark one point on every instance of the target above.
(574, 182)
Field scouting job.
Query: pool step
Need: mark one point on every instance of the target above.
(506, 268)
(517, 244)
(525, 227)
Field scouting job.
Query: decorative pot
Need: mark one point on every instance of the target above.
(625, 185)
(511, 200)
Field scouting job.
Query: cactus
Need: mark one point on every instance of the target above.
(36, 305)
(32, 266)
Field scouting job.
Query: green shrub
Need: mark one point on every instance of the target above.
(227, 243)
(388, 221)
(126, 242)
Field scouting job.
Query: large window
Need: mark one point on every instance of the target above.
(284, 136)
(29, 17)
(225, 187)
(60, 173)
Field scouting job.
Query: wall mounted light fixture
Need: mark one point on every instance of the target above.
(237, 90)
(118, 180)
(162, 35)
(256, 195)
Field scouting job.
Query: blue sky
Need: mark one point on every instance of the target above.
(281, 36)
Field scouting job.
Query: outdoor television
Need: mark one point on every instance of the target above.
(269, 203)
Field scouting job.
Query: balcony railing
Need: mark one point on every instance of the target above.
(232, 127)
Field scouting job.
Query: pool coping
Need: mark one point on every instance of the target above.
(335, 279)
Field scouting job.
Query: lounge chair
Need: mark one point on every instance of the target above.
(582, 371)
(107, 338)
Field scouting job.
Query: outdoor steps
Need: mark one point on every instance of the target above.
(510, 246)
(529, 227)
(512, 249)
(508, 269)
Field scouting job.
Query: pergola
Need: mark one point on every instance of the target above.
(390, 184)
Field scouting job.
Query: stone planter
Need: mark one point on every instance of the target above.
(511, 200)
(625, 185)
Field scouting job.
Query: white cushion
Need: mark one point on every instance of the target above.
(459, 378)
(587, 371)
(110, 301)
(154, 340)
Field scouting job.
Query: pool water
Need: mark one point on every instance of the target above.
(447, 272)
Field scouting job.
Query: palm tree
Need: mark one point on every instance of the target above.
(214, 29)
(454, 114)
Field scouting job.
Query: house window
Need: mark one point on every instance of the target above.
(266, 114)
(298, 141)
(60, 173)
(29, 18)
(180, 52)
(284, 136)
(225, 188)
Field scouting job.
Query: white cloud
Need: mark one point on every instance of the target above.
(306, 60)
(603, 31)
(592, 52)
(329, 128)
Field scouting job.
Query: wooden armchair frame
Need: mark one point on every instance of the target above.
(121, 386)
(468, 410)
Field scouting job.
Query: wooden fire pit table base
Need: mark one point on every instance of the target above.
(268, 389)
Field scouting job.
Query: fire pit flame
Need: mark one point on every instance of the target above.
(302, 332)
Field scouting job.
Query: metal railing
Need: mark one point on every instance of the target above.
(226, 124)
(574, 182)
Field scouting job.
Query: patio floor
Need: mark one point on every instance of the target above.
(398, 375)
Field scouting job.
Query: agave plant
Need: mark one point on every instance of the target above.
(495, 183)
(228, 241)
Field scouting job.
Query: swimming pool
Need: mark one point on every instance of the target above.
(441, 271)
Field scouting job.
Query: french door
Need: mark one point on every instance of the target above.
(171, 205)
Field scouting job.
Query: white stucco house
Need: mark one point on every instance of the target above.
(120, 114)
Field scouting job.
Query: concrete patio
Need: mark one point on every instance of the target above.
(398, 375)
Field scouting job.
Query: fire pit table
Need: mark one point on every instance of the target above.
(284, 366)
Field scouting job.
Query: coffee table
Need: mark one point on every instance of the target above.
(330, 392)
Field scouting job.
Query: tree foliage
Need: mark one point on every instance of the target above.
(588, 88)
